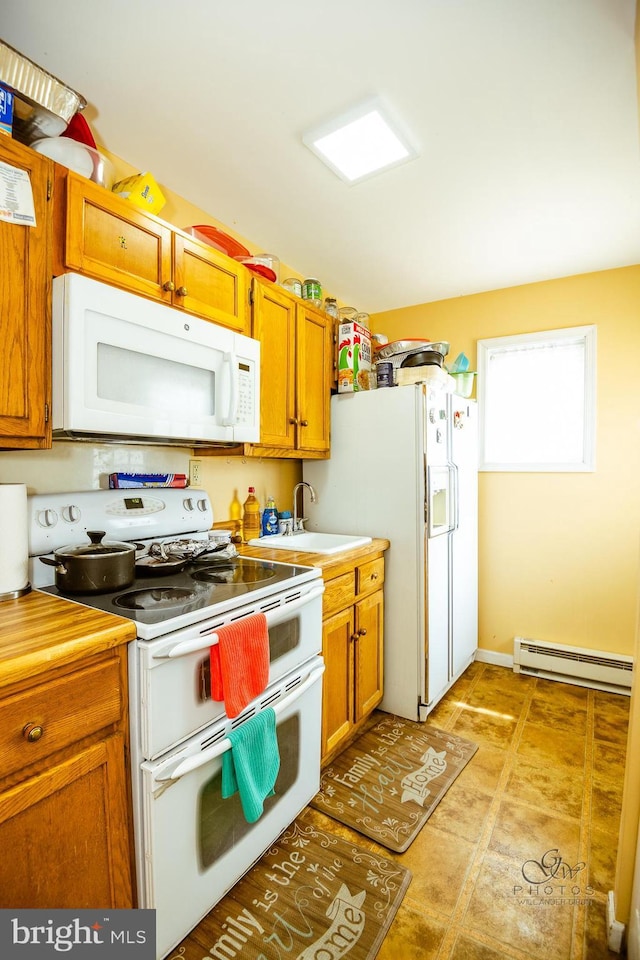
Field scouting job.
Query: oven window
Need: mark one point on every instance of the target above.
(221, 823)
(282, 639)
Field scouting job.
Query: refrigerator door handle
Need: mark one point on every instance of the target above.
(454, 489)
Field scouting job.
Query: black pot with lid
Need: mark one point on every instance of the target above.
(96, 567)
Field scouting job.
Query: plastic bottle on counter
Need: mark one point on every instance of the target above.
(270, 518)
(235, 510)
(235, 515)
(251, 517)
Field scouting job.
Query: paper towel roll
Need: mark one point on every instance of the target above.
(14, 535)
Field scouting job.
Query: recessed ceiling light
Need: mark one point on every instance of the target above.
(360, 143)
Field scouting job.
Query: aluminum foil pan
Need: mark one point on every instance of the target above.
(404, 347)
(43, 104)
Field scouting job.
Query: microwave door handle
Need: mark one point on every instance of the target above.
(199, 760)
(232, 417)
(273, 617)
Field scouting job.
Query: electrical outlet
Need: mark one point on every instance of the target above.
(195, 473)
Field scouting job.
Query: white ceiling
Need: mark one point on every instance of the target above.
(524, 113)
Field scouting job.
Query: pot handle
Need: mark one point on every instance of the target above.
(60, 567)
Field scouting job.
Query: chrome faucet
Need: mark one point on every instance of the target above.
(299, 521)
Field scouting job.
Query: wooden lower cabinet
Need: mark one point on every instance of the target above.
(352, 647)
(64, 793)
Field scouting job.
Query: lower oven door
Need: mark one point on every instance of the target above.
(174, 670)
(192, 845)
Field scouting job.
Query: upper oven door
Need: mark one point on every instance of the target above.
(124, 366)
(171, 674)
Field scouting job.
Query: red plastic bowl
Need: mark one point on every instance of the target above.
(221, 241)
(262, 271)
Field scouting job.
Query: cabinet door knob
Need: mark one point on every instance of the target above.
(293, 420)
(362, 632)
(169, 286)
(304, 423)
(181, 291)
(32, 732)
(374, 576)
(354, 637)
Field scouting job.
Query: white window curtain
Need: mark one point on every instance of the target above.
(536, 396)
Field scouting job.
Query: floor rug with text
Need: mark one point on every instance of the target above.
(387, 783)
(311, 895)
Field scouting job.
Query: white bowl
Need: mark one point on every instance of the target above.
(78, 157)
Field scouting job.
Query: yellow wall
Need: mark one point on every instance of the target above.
(558, 552)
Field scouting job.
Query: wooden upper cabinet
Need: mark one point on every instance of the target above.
(313, 378)
(114, 241)
(295, 371)
(274, 325)
(25, 310)
(210, 284)
(106, 237)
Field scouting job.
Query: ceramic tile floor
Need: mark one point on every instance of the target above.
(547, 777)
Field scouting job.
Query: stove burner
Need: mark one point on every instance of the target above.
(159, 598)
(233, 573)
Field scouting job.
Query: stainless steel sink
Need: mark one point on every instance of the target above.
(309, 542)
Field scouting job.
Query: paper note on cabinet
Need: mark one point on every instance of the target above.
(16, 196)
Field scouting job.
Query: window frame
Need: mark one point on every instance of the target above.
(486, 347)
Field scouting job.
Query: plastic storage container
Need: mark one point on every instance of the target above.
(463, 383)
(78, 157)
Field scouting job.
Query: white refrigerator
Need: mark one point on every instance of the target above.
(403, 466)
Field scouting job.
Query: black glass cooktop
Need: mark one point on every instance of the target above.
(162, 598)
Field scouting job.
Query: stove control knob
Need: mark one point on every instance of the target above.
(71, 513)
(47, 518)
(188, 503)
(202, 505)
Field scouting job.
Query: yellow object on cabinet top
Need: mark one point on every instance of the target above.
(141, 190)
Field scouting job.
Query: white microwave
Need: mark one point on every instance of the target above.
(128, 369)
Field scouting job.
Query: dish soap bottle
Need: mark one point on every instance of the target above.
(270, 518)
(251, 516)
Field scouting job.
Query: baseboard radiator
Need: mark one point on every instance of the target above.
(587, 668)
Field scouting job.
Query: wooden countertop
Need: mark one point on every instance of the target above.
(332, 564)
(39, 632)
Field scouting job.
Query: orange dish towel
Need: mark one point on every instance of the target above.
(240, 663)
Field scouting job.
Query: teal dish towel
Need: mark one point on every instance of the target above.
(251, 766)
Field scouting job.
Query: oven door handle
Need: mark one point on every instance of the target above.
(201, 759)
(274, 617)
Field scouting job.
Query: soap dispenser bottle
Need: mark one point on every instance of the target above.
(269, 518)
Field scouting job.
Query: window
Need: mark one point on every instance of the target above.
(536, 398)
